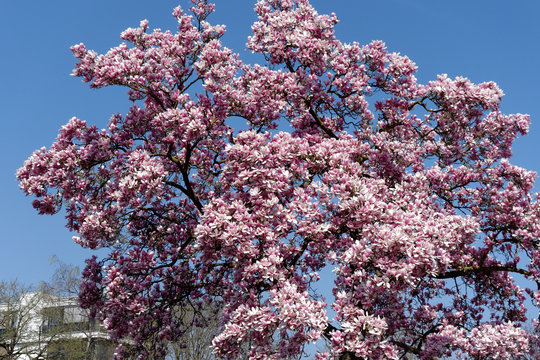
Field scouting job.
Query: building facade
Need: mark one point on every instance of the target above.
(40, 326)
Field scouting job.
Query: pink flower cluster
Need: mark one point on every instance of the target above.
(411, 199)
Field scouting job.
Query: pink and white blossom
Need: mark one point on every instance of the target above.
(410, 196)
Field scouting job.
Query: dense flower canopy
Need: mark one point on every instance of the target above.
(343, 160)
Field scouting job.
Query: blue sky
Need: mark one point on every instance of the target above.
(482, 40)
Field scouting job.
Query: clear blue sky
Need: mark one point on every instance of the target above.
(483, 40)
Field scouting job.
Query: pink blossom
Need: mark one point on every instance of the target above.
(242, 184)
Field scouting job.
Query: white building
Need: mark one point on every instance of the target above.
(41, 326)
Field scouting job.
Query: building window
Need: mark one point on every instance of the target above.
(53, 320)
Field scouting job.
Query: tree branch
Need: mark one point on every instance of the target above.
(468, 270)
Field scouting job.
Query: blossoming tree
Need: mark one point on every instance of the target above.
(344, 161)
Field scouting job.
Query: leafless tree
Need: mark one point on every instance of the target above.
(196, 344)
(21, 322)
(45, 321)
